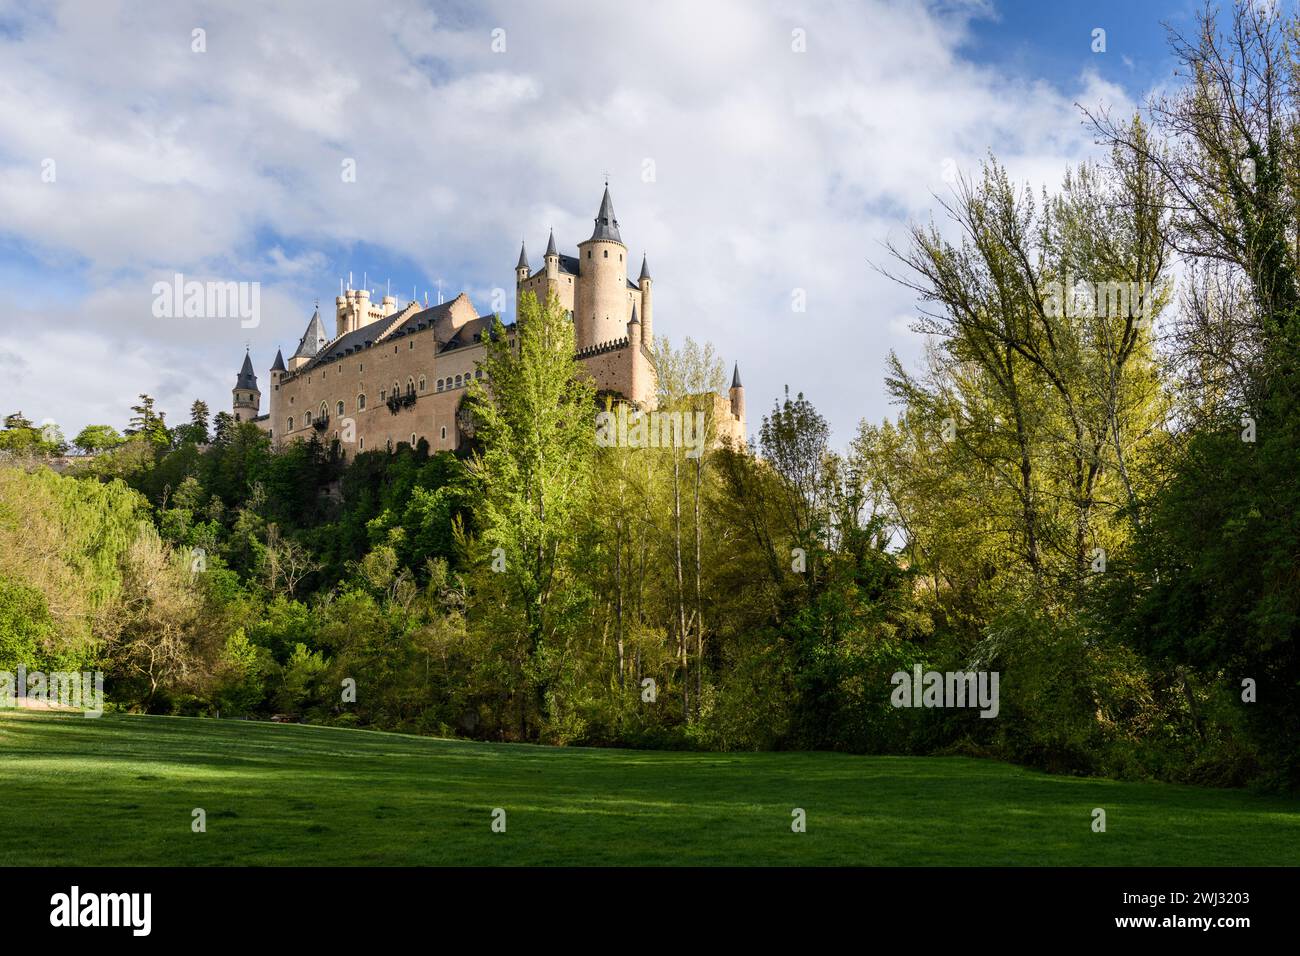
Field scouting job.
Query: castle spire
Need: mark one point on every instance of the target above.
(523, 257)
(606, 224)
(550, 246)
(735, 377)
(645, 269)
(247, 378)
(278, 364)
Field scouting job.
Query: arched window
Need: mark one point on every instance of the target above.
(606, 253)
(422, 383)
(382, 393)
(340, 409)
(361, 402)
(290, 423)
(478, 373)
(439, 385)
(412, 439)
(390, 446)
(306, 419)
(397, 389)
(410, 386)
(324, 411)
(444, 433)
(458, 381)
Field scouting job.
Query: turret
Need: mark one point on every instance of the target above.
(277, 367)
(247, 396)
(634, 331)
(552, 260)
(737, 395)
(647, 304)
(521, 267)
(312, 341)
(600, 308)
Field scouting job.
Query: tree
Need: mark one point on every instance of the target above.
(537, 428)
(151, 425)
(97, 438)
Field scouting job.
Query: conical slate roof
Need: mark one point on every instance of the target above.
(645, 269)
(606, 224)
(735, 377)
(313, 338)
(523, 257)
(550, 246)
(246, 377)
(278, 364)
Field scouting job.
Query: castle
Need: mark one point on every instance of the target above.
(389, 375)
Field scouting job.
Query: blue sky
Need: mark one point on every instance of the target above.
(775, 170)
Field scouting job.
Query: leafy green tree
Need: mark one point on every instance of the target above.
(537, 429)
(97, 438)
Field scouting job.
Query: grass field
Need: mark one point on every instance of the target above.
(120, 791)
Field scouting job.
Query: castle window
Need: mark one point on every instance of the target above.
(478, 373)
(588, 253)
(340, 409)
(361, 366)
(620, 257)
(306, 419)
(382, 393)
(444, 432)
(423, 385)
(606, 253)
(361, 402)
(290, 399)
(361, 444)
(324, 411)
(390, 446)
(394, 349)
(458, 381)
(411, 344)
(412, 439)
(410, 386)
(439, 385)
(291, 423)
(397, 389)
(237, 418)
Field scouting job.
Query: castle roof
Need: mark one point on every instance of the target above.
(312, 339)
(247, 379)
(550, 245)
(645, 269)
(606, 224)
(735, 377)
(523, 257)
(278, 364)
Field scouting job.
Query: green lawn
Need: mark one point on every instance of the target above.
(120, 791)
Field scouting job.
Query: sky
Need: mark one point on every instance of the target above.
(761, 155)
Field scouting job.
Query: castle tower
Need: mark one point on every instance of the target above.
(521, 267)
(600, 309)
(277, 368)
(647, 305)
(737, 395)
(247, 396)
(312, 341)
(552, 260)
